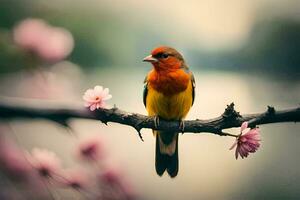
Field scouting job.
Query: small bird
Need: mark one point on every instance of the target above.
(169, 94)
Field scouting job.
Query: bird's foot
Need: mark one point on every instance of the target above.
(181, 126)
(156, 121)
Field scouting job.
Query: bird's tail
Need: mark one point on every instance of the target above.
(166, 156)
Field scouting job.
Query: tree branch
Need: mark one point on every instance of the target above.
(24, 108)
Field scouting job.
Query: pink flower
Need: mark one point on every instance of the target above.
(247, 142)
(57, 44)
(76, 179)
(29, 33)
(91, 149)
(48, 42)
(95, 98)
(45, 162)
(114, 179)
(111, 176)
(12, 159)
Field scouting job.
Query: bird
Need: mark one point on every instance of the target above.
(169, 93)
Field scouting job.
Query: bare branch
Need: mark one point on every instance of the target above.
(24, 108)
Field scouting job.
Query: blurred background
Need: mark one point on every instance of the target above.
(240, 51)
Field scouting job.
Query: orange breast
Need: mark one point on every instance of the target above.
(169, 82)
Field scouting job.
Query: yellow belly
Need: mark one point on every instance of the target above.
(174, 107)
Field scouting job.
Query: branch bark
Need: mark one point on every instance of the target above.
(24, 108)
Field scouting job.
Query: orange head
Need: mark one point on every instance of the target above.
(165, 58)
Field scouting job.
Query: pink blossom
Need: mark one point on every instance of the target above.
(247, 142)
(91, 149)
(48, 42)
(57, 44)
(45, 162)
(95, 98)
(76, 179)
(12, 159)
(14, 164)
(29, 33)
(113, 178)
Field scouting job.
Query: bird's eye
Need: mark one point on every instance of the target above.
(164, 55)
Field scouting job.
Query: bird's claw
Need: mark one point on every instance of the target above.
(181, 126)
(156, 121)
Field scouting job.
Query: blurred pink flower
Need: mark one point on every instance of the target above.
(113, 178)
(58, 44)
(45, 162)
(76, 179)
(49, 43)
(29, 33)
(12, 159)
(15, 166)
(95, 98)
(247, 142)
(91, 149)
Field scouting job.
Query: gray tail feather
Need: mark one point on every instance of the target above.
(165, 161)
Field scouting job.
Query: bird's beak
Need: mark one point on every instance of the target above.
(150, 58)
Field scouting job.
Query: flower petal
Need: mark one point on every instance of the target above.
(93, 107)
(87, 104)
(98, 88)
(105, 92)
(244, 126)
(107, 97)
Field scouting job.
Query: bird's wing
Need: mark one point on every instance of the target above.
(187, 70)
(145, 92)
(194, 86)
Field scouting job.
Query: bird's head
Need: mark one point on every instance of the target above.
(165, 58)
